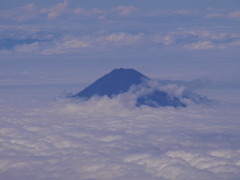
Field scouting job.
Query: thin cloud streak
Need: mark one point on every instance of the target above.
(189, 38)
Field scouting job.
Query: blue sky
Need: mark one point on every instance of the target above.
(172, 4)
(127, 33)
(169, 40)
(59, 41)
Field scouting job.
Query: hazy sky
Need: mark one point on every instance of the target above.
(173, 4)
(174, 37)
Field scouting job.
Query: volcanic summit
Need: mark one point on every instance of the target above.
(120, 81)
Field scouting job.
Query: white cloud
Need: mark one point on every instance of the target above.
(197, 39)
(200, 45)
(30, 7)
(28, 48)
(184, 12)
(167, 39)
(235, 43)
(124, 38)
(224, 14)
(48, 43)
(82, 11)
(235, 14)
(214, 15)
(125, 10)
(20, 14)
(74, 43)
(105, 138)
(101, 17)
(56, 10)
(79, 10)
(65, 45)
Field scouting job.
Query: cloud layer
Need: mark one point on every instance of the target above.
(63, 29)
(104, 41)
(104, 139)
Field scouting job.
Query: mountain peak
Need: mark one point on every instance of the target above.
(116, 82)
(119, 81)
(122, 72)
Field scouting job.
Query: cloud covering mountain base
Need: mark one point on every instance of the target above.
(103, 139)
(135, 89)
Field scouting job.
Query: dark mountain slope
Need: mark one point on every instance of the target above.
(116, 82)
(119, 81)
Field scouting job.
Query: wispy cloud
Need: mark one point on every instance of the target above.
(125, 10)
(124, 38)
(56, 10)
(200, 45)
(84, 12)
(49, 43)
(234, 14)
(184, 12)
(198, 39)
(214, 15)
(65, 45)
(21, 14)
(27, 48)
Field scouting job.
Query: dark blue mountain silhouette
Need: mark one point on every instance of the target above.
(119, 81)
(116, 82)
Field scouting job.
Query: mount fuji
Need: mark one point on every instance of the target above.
(120, 81)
